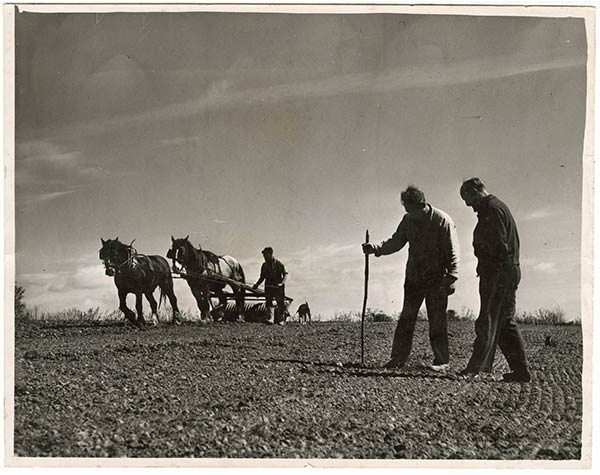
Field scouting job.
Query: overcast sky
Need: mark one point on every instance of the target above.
(298, 132)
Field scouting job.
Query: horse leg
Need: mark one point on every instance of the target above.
(153, 307)
(202, 302)
(217, 316)
(123, 306)
(206, 305)
(280, 309)
(222, 305)
(240, 300)
(139, 307)
(167, 289)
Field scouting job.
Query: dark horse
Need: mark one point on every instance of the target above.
(202, 270)
(140, 275)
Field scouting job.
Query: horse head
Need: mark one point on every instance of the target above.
(181, 252)
(114, 254)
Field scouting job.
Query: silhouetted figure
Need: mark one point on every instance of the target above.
(274, 275)
(431, 273)
(304, 313)
(496, 244)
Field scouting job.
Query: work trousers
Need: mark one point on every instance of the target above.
(273, 292)
(495, 325)
(436, 302)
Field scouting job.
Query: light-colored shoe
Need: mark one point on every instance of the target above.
(468, 375)
(440, 368)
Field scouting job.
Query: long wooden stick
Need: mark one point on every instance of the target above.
(364, 308)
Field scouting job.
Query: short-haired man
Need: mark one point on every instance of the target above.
(496, 245)
(274, 274)
(431, 272)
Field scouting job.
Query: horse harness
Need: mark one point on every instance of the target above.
(208, 263)
(136, 261)
(207, 258)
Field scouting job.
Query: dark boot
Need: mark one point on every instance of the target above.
(394, 363)
(522, 376)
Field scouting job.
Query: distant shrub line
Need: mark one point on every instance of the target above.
(542, 316)
(24, 313)
(371, 315)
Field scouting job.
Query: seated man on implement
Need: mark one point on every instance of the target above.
(431, 272)
(274, 274)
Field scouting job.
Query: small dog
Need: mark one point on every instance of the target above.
(303, 313)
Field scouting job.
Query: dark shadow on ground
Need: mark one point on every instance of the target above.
(61, 325)
(357, 370)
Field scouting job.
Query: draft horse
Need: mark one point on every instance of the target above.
(138, 274)
(202, 272)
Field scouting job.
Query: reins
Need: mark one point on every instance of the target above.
(204, 271)
(131, 255)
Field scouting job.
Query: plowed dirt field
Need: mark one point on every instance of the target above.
(256, 391)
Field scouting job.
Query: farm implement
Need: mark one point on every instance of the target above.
(255, 305)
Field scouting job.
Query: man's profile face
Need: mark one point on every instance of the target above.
(470, 197)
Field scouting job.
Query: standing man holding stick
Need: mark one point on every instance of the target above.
(496, 245)
(431, 272)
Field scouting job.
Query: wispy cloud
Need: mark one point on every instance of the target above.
(46, 170)
(177, 141)
(546, 267)
(82, 287)
(325, 251)
(221, 95)
(48, 196)
(82, 277)
(539, 214)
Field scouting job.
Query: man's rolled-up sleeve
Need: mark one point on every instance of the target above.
(452, 248)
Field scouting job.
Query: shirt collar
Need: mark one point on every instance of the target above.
(427, 214)
(484, 204)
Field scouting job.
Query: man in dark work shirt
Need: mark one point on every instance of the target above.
(274, 275)
(496, 245)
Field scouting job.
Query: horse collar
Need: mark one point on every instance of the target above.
(131, 255)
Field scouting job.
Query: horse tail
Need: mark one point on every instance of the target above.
(164, 277)
(242, 275)
(240, 299)
(162, 296)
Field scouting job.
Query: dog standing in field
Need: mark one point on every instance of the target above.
(303, 313)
